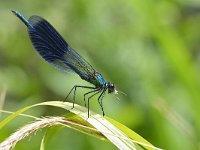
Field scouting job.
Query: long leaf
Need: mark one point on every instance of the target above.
(118, 134)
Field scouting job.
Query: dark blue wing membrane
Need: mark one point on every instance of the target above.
(53, 48)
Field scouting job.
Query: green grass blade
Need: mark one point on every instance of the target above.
(101, 127)
(136, 138)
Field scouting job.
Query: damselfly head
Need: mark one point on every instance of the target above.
(111, 88)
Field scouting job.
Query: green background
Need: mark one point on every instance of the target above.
(150, 49)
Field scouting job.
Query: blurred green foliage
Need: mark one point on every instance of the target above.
(150, 49)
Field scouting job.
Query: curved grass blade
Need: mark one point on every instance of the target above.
(119, 135)
(136, 138)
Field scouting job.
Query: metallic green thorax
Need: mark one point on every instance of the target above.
(96, 79)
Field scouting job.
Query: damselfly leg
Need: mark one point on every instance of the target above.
(97, 92)
(74, 88)
(96, 89)
(100, 98)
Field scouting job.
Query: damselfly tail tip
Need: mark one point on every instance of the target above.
(14, 12)
(22, 18)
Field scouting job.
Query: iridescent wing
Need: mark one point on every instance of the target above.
(54, 49)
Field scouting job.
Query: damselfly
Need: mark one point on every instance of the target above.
(55, 50)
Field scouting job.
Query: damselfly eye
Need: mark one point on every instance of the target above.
(111, 87)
